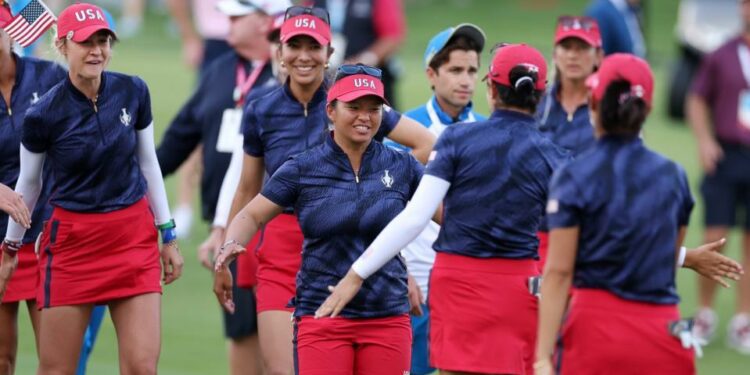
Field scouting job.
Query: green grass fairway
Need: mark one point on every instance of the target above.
(192, 332)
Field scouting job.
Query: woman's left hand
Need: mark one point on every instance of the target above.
(341, 294)
(544, 367)
(171, 262)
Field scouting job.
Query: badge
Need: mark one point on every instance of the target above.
(743, 109)
(229, 133)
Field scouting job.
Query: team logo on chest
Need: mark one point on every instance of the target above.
(34, 97)
(387, 179)
(125, 117)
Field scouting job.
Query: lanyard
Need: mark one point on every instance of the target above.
(744, 55)
(244, 82)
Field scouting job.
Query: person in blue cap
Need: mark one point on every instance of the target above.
(451, 62)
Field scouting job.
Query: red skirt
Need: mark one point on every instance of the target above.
(23, 283)
(482, 316)
(605, 334)
(279, 258)
(543, 248)
(98, 257)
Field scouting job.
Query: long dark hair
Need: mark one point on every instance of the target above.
(522, 92)
(622, 111)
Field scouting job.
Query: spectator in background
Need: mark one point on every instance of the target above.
(203, 30)
(368, 32)
(621, 25)
(718, 109)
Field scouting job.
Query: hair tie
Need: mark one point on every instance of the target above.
(521, 80)
(635, 92)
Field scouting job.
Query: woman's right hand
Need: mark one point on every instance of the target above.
(12, 204)
(223, 288)
(8, 265)
(208, 250)
(228, 252)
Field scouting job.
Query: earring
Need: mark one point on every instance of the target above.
(328, 65)
(282, 64)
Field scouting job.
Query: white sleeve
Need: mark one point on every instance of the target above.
(405, 227)
(229, 187)
(157, 195)
(29, 185)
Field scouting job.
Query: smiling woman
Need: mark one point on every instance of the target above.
(94, 131)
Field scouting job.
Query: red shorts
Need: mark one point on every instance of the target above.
(482, 316)
(23, 283)
(98, 257)
(247, 263)
(341, 346)
(279, 258)
(543, 248)
(605, 334)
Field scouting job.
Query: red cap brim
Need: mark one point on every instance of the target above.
(354, 95)
(318, 37)
(84, 33)
(578, 34)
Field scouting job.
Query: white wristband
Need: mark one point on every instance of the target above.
(681, 258)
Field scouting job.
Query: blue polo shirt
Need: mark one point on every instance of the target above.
(199, 122)
(91, 147)
(629, 203)
(33, 79)
(573, 132)
(499, 171)
(436, 120)
(340, 215)
(278, 126)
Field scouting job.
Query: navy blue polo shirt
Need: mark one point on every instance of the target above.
(573, 132)
(499, 171)
(278, 126)
(629, 203)
(199, 121)
(92, 147)
(33, 79)
(340, 215)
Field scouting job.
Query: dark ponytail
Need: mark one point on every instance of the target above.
(522, 92)
(622, 110)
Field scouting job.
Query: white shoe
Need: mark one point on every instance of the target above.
(704, 324)
(738, 333)
(183, 219)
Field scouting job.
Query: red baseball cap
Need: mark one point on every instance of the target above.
(510, 56)
(583, 28)
(356, 86)
(627, 67)
(79, 21)
(306, 24)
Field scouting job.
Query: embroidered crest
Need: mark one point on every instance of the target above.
(387, 180)
(125, 117)
(34, 97)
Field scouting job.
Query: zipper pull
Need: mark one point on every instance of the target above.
(305, 108)
(356, 178)
(93, 101)
(10, 112)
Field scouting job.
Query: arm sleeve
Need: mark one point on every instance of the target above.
(283, 187)
(441, 162)
(252, 142)
(228, 188)
(182, 136)
(388, 19)
(29, 185)
(157, 195)
(404, 228)
(565, 203)
(704, 82)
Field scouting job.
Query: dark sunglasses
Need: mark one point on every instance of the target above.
(297, 10)
(347, 70)
(497, 47)
(573, 22)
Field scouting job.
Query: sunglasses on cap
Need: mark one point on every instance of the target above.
(497, 47)
(347, 70)
(297, 10)
(573, 22)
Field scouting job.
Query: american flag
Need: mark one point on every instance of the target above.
(30, 23)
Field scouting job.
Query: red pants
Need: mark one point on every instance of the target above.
(341, 346)
(23, 284)
(605, 334)
(482, 316)
(279, 259)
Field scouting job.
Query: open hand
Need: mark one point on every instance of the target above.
(341, 294)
